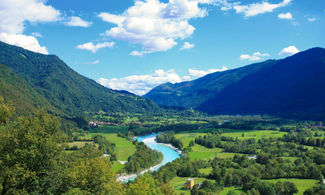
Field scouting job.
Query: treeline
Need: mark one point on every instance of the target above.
(106, 146)
(169, 138)
(229, 144)
(143, 158)
(304, 139)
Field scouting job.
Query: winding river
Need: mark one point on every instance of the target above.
(169, 154)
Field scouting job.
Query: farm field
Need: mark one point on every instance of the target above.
(123, 148)
(254, 134)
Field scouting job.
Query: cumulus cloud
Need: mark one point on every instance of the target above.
(187, 45)
(15, 14)
(259, 8)
(288, 51)
(254, 57)
(201, 73)
(77, 21)
(286, 16)
(24, 41)
(141, 84)
(311, 19)
(90, 46)
(155, 25)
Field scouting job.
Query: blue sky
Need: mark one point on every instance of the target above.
(137, 45)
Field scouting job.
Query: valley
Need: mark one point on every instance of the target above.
(62, 133)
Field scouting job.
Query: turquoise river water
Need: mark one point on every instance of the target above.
(168, 153)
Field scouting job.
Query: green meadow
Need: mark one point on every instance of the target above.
(302, 184)
(254, 134)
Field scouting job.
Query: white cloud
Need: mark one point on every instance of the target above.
(36, 34)
(90, 46)
(187, 45)
(141, 84)
(311, 19)
(259, 8)
(94, 62)
(24, 41)
(291, 50)
(286, 16)
(14, 15)
(254, 57)
(201, 73)
(115, 19)
(77, 21)
(155, 25)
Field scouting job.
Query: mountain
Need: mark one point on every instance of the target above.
(20, 93)
(46, 81)
(191, 94)
(289, 87)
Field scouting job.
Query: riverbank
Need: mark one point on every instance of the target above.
(161, 147)
(153, 140)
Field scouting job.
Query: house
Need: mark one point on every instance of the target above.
(189, 184)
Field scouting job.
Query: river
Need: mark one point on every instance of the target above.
(169, 154)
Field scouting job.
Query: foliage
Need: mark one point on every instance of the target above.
(143, 158)
(106, 146)
(169, 138)
(49, 82)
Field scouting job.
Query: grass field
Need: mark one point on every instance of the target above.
(302, 184)
(117, 166)
(225, 190)
(292, 159)
(201, 152)
(79, 144)
(254, 134)
(123, 148)
(206, 171)
(178, 184)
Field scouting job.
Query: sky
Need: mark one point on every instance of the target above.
(136, 45)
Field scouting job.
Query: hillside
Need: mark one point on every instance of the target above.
(191, 94)
(288, 87)
(47, 80)
(19, 93)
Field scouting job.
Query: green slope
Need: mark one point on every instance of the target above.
(66, 90)
(19, 93)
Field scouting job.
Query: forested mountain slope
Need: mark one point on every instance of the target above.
(48, 80)
(289, 87)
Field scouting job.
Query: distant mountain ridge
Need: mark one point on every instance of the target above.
(49, 82)
(289, 87)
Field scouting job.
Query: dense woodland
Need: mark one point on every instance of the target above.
(142, 159)
(169, 138)
(33, 161)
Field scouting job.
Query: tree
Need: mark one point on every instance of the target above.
(94, 176)
(31, 158)
(145, 185)
(5, 112)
